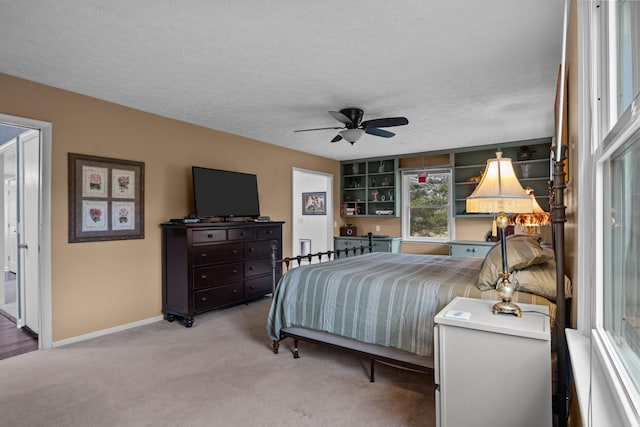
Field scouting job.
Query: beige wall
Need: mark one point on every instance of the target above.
(100, 285)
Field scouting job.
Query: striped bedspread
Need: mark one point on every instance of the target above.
(379, 298)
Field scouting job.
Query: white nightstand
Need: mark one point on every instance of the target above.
(492, 369)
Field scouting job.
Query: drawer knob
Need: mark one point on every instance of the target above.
(270, 232)
(209, 235)
(204, 298)
(252, 287)
(252, 249)
(244, 233)
(471, 249)
(204, 276)
(251, 268)
(234, 271)
(234, 251)
(203, 255)
(235, 291)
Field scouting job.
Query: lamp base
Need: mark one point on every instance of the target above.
(507, 307)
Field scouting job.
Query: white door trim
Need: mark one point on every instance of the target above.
(29, 225)
(45, 337)
(329, 205)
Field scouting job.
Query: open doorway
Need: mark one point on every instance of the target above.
(312, 232)
(9, 292)
(25, 166)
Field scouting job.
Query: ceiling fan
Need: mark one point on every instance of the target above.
(354, 127)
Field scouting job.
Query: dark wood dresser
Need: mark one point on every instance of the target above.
(211, 265)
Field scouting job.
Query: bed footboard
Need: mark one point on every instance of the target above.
(290, 262)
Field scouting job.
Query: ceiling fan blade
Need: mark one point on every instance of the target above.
(337, 138)
(386, 122)
(341, 117)
(307, 130)
(379, 132)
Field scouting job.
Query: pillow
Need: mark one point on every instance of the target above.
(523, 251)
(540, 280)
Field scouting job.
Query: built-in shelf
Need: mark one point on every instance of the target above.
(370, 187)
(531, 164)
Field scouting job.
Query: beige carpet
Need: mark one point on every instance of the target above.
(220, 372)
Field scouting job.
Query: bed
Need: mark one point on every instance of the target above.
(382, 305)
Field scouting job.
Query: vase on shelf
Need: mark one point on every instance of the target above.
(381, 167)
(355, 169)
(374, 193)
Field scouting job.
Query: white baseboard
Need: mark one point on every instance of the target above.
(104, 332)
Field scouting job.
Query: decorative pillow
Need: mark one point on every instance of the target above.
(523, 251)
(541, 280)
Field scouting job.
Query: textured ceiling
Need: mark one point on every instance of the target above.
(463, 72)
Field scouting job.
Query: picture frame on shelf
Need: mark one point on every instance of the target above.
(106, 199)
(314, 203)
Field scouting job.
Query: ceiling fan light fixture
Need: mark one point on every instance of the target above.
(352, 135)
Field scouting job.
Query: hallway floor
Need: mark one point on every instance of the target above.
(13, 341)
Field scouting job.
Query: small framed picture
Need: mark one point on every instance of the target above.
(94, 216)
(106, 199)
(314, 203)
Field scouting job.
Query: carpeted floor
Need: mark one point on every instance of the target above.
(220, 372)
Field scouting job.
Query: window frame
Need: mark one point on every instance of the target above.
(406, 206)
(603, 129)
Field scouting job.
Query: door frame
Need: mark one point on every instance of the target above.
(45, 336)
(29, 143)
(296, 199)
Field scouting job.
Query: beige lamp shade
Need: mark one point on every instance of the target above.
(499, 190)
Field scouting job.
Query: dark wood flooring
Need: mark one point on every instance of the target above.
(14, 341)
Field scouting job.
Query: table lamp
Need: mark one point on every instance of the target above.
(499, 192)
(531, 222)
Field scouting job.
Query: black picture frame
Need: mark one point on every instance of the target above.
(314, 203)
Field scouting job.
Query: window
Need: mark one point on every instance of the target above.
(621, 252)
(628, 60)
(615, 289)
(426, 198)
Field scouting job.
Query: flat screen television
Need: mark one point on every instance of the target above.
(226, 194)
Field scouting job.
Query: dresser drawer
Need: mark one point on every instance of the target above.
(258, 249)
(257, 286)
(241, 233)
(257, 267)
(469, 250)
(207, 277)
(348, 243)
(201, 236)
(268, 233)
(379, 246)
(216, 297)
(209, 254)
